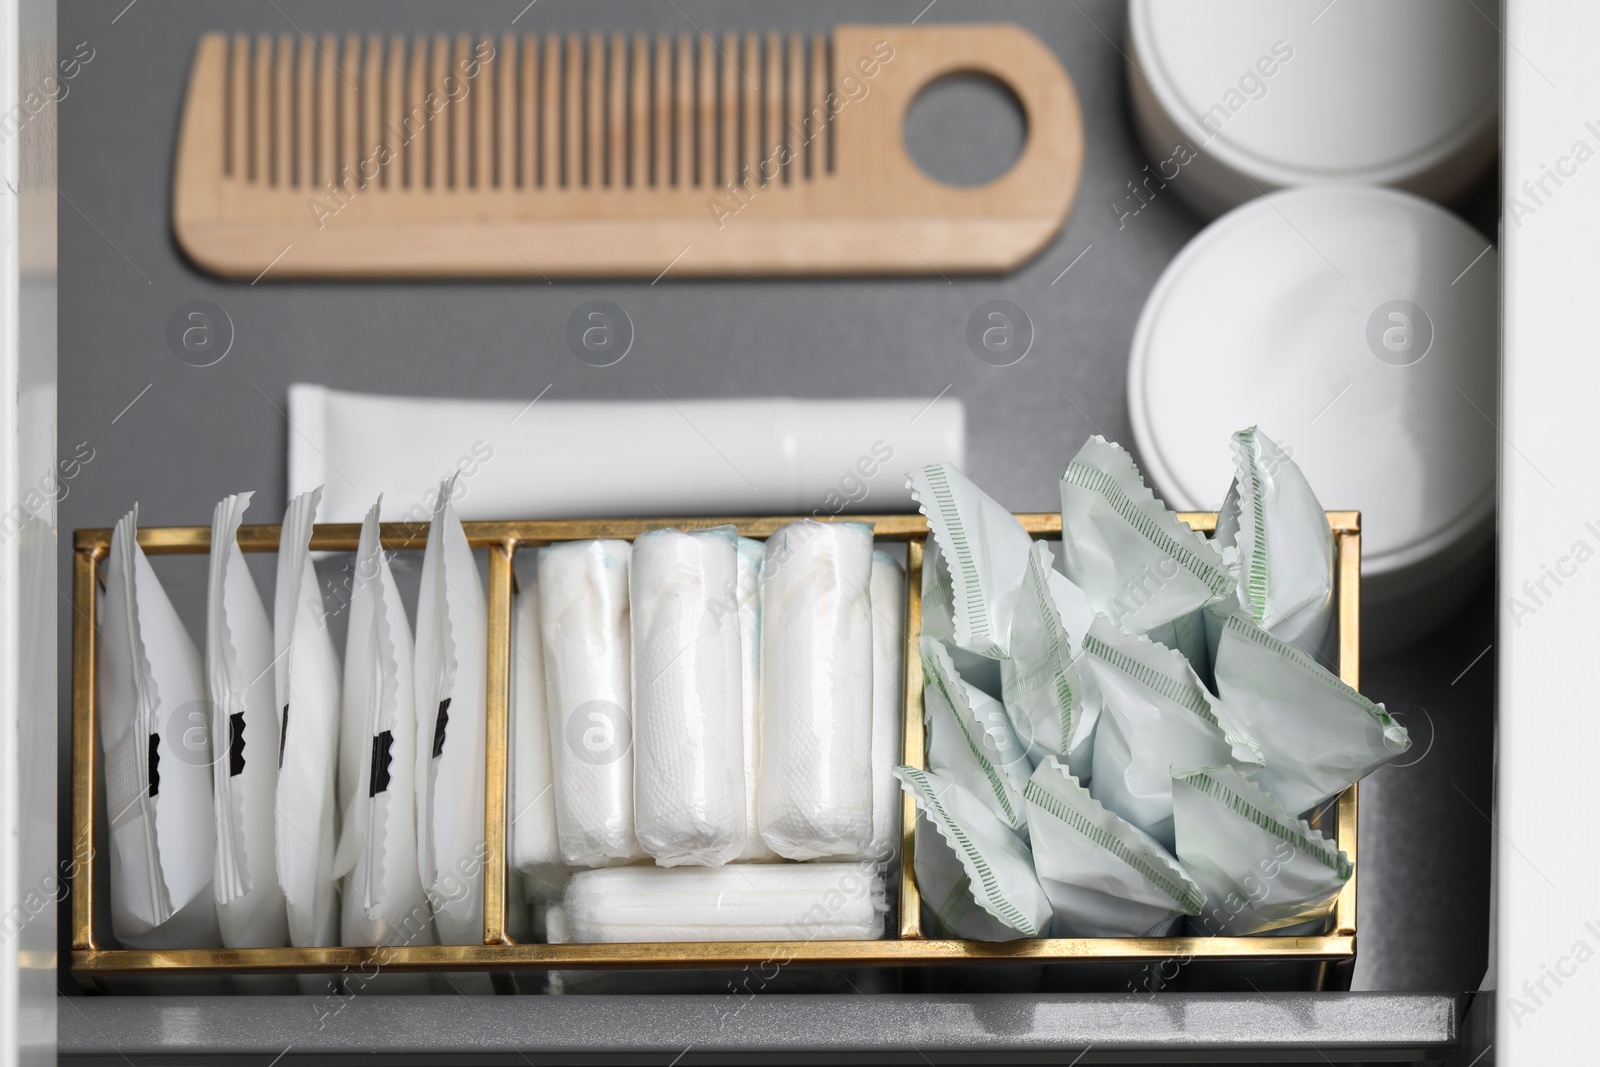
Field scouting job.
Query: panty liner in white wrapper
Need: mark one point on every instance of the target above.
(451, 672)
(1049, 689)
(1135, 560)
(970, 739)
(535, 848)
(888, 707)
(155, 744)
(306, 676)
(1261, 868)
(1278, 542)
(966, 856)
(751, 554)
(382, 898)
(737, 902)
(1317, 735)
(689, 791)
(1157, 716)
(1104, 876)
(246, 733)
(985, 550)
(583, 612)
(815, 782)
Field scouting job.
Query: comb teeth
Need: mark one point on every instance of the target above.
(528, 112)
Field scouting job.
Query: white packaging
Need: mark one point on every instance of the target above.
(155, 729)
(1280, 544)
(888, 590)
(1317, 735)
(583, 613)
(246, 732)
(382, 899)
(1260, 867)
(1104, 876)
(966, 856)
(985, 550)
(655, 457)
(751, 555)
(1157, 715)
(1048, 687)
(814, 786)
(451, 678)
(306, 681)
(535, 848)
(1138, 564)
(736, 902)
(970, 740)
(689, 791)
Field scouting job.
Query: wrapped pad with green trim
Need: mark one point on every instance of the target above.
(1048, 687)
(1104, 876)
(1156, 715)
(1317, 734)
(960, 840)
(984, 550)
(1276, 541)
(1261, 868)
(970, 738)
(1137, 562)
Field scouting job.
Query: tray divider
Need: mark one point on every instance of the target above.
(497, 738)
(912, 741)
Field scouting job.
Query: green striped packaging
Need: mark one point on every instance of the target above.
(1104, 876)
(1137, 562)
(984, 550)
(1261, 868)
(960, 838)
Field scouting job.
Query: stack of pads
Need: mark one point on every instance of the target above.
(255, 799)
(710, 706)
(1160, 720)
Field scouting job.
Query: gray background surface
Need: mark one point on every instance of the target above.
(192, 435)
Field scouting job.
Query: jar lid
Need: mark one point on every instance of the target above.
(1277, 93)
(1358, 327)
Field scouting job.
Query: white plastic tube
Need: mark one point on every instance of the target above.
(636, 458)
(688, 758)
(815, 783)
(583, 611)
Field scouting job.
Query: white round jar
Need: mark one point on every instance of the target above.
(1358, 327)
(1236, 98)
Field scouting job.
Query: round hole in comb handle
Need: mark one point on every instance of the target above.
(965, 130)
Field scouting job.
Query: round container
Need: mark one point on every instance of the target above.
(1235, 98)
(1357, 327)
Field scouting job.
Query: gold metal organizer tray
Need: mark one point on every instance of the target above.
(905, 947)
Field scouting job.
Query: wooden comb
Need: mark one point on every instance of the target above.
(607, 155)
